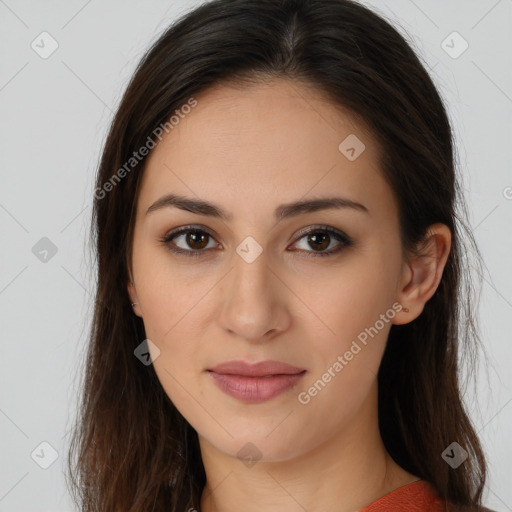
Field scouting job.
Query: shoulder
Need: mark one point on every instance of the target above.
(466, 508)
(417, 496)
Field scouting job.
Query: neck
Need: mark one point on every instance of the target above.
(344, 473)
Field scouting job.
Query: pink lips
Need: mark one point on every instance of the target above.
(255, 382)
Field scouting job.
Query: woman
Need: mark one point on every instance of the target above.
(280, 297)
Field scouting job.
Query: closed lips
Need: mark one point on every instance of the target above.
(260, 369)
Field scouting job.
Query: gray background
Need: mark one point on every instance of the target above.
(54, 116)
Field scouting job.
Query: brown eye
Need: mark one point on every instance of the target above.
(320, 238)
(188, 241)
(319, 241)
(196, 239)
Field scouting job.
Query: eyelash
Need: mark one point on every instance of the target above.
(338, 235)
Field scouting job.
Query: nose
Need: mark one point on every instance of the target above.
(254, 301)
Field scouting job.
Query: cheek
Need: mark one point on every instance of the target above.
(172, 299)
(164, 294)
(355, 308)
(345, 361)
(170, 312)
(353, 294)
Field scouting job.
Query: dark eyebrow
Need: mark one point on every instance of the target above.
(282, 212)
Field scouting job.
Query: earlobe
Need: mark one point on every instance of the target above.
(134, 301)
(422, 273)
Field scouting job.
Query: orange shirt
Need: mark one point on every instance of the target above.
(417, 496)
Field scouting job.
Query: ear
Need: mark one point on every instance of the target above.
(422, 274)
(132, 293)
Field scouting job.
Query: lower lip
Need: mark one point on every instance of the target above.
(255, 389)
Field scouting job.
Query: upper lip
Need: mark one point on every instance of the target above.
(259, 369)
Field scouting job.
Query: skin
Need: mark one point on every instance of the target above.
(249, 150)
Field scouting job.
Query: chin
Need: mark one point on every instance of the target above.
(261, 445)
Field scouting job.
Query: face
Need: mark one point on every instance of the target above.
(310, 287)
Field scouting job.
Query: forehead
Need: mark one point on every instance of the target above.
(253, 147)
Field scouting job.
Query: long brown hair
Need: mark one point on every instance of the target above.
(131, 448)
